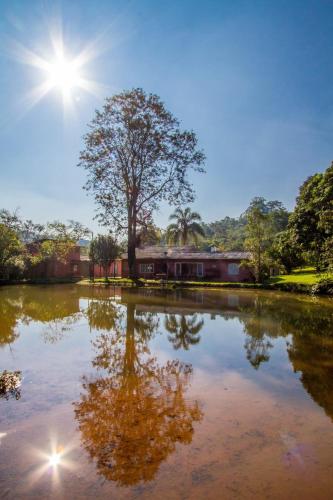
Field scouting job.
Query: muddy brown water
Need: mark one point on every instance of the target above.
(166, 394)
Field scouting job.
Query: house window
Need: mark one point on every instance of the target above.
(189, 269)
(146, 268)
(233, 269)
(75, 268)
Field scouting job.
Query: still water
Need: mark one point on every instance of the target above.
(165, 394)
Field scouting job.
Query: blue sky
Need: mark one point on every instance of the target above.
(252, 78)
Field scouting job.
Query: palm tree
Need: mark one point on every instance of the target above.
(186, 228)
(184, 331)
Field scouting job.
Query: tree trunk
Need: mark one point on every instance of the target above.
(131, 246)
(131, 258)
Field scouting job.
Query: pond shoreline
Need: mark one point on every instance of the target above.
(172, 284)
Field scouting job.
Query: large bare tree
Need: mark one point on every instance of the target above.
(136, 156)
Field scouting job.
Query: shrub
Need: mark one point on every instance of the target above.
(324, 286)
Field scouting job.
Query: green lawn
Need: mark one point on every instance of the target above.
(300, 280)
(304, 276)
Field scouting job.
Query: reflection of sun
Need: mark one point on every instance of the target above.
(54, 459)
(51, 464)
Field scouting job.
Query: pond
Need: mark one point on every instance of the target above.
(141, 393)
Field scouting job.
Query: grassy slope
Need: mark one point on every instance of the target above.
(304, 276)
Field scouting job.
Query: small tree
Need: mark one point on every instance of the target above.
(104, 250)
(187, 227)
(257, 231)
(136, 156)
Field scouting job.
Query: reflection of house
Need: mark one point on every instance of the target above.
(189, 263)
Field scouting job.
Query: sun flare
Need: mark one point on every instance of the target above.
(54, 459)
(60, 70)
(63, 74)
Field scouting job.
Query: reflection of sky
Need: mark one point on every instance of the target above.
(221, 350)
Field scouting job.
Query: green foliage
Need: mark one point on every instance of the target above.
(229, 234)
(187, 227)
(258, 236)
(11, 251)
(276, 212)
(312, 220)
(285, 252)
(60, 240)
(149, 235)
(324, 286)
(264, 220)
(26, 230)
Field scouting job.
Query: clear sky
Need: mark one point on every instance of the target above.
(252, 78)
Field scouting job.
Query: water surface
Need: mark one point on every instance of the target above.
(166, 394)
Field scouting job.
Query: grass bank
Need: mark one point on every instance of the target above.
(304, 280)
(303, 276)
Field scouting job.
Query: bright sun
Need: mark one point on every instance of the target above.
(63, 74)
(60, 71)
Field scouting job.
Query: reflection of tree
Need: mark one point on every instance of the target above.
(184, 330)
(57, 308)
(257, 350)
(269, 316)
(9, 315)
(47, 304)
(312, 355)
(257, 329)
(56, 329)
(132, 418)
(103, 314)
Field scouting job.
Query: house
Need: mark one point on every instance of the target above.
(77, 265)
(188, 263)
